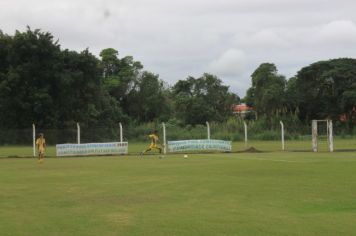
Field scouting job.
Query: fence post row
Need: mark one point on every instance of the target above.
(34, 139)
(164, 138)
(330, 133)
(282, 134)
(245, 125)
(315, 135)
(78, 133)
(329, 124)
(120, 132)
(208, 129)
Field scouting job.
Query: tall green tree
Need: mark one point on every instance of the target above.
(203, 99)
(267, 92)
(120, 74)
(326, 89)
(83, 96)
(40, 83)
(27, 74)
(148, 100)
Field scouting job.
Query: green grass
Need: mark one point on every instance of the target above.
(266, 146)
(273, 193)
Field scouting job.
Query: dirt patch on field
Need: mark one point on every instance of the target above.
(252, 150)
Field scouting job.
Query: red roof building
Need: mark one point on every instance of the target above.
(241, 109)
(345, 117)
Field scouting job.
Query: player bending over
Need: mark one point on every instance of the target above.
(41, 146)
(154, 141)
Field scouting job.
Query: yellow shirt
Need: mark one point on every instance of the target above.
(154, 139)
(41, 142)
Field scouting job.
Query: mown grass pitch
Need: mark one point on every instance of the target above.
(266, 146)
(212, 194)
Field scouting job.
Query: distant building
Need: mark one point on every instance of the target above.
(346, 117)
(242, 109)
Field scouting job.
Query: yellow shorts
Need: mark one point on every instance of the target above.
(153, 145)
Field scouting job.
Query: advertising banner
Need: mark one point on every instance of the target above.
(86, 149)
(199, 145)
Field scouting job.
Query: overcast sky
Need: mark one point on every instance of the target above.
(178, 38)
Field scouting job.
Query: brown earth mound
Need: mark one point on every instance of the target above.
(252, 150)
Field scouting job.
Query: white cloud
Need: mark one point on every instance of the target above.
(339, 31)
(232, 62)
(265, 38)
(178, 38)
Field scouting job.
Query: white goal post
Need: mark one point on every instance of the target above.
(329, 131)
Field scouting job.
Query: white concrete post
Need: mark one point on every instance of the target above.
(330, 133)
(315, 135)
(327, 132)
(208, 129)
(34, 139)
(245, 125)
(78, 133)
(164, 138)
(120, 132)
(282, 134)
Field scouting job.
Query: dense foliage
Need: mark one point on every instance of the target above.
(203, 99)
(323, 90)
(327, 89)
(53, 87)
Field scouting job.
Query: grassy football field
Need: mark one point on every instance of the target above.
(269, 193)
(264, 146)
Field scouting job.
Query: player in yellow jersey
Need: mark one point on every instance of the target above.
(154, 141)
(41, 146)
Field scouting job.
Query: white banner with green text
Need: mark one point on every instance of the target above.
(86, 149)
(199, 145)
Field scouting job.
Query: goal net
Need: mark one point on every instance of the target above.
(322, 135)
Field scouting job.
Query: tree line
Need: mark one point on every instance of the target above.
(322, 90)
(53, 87)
